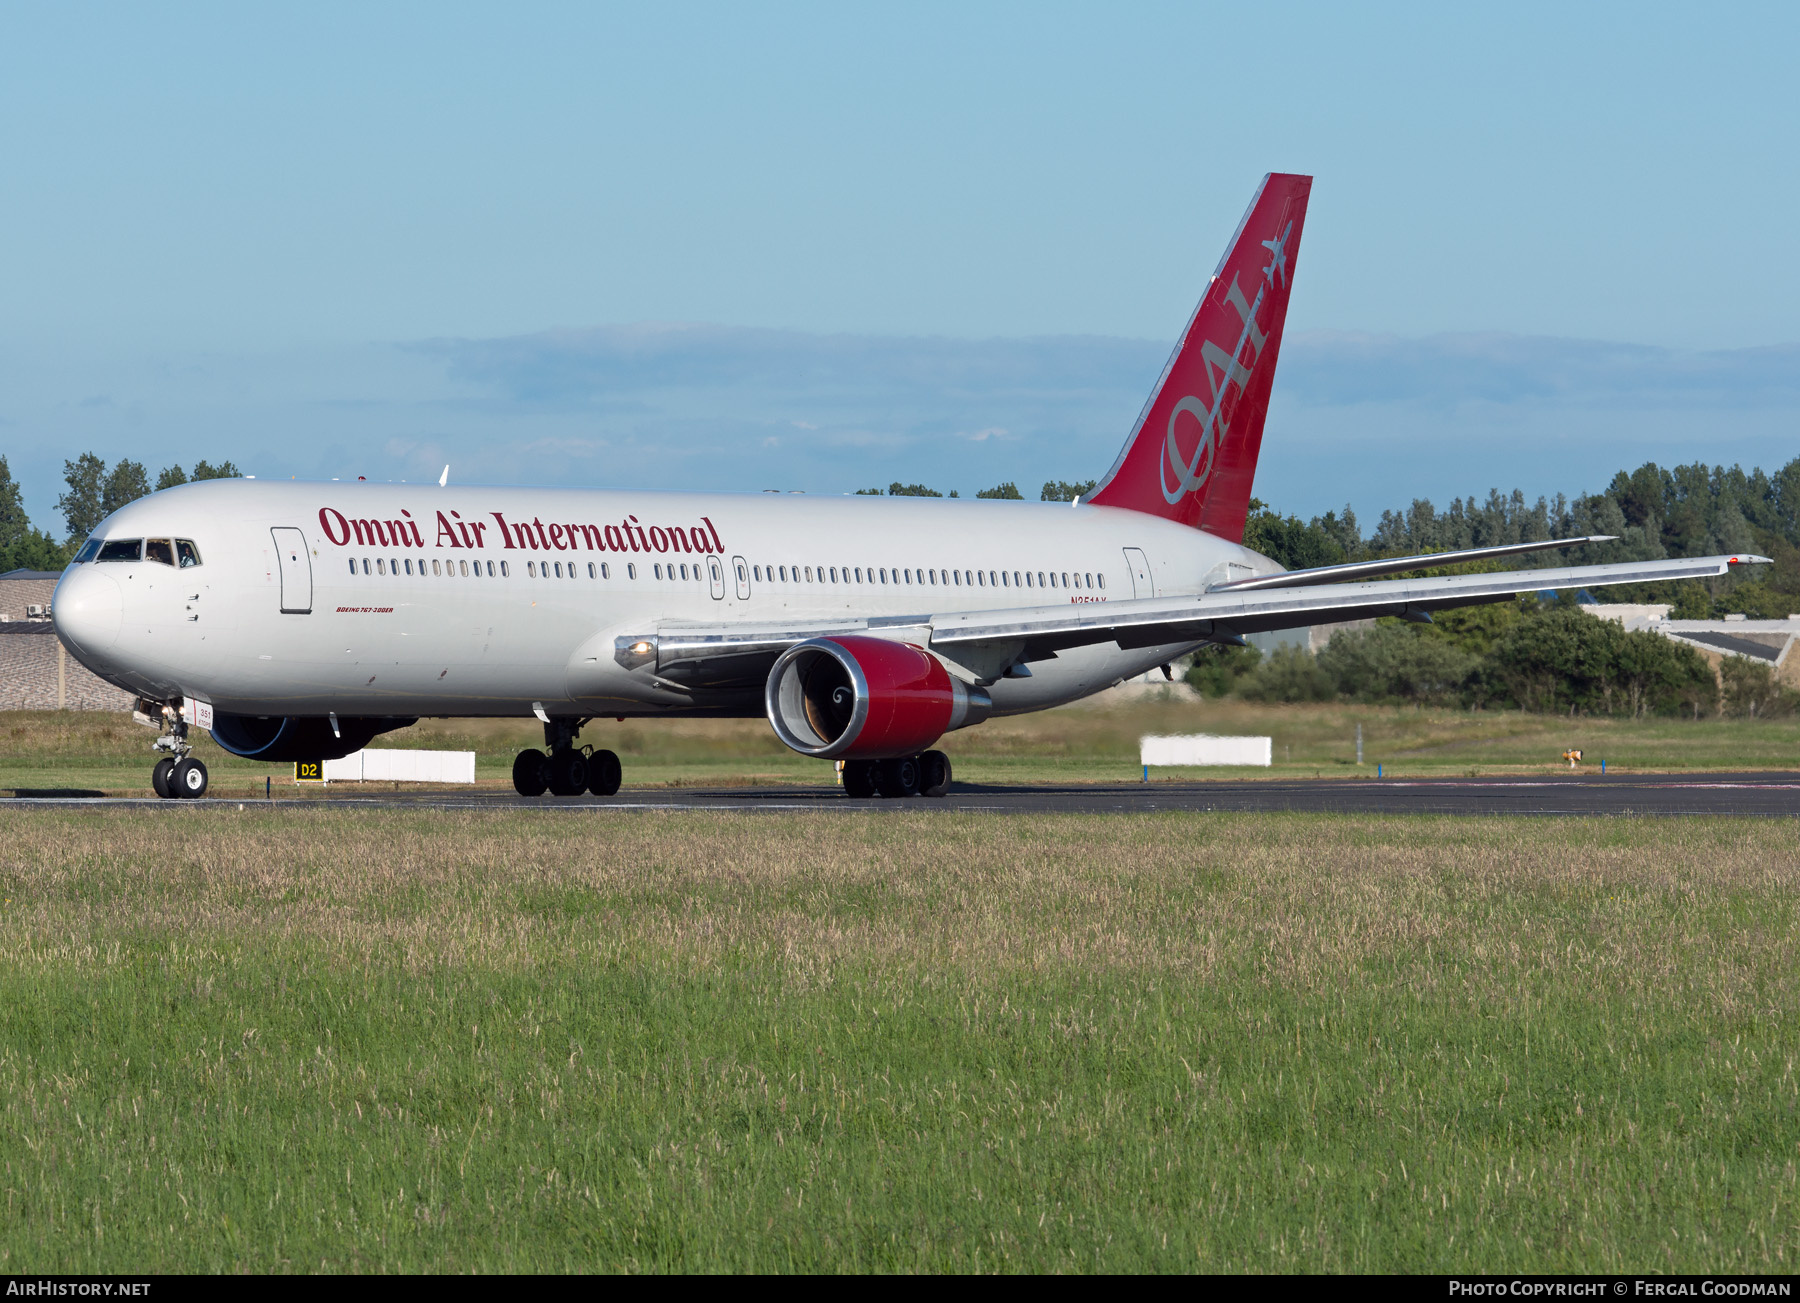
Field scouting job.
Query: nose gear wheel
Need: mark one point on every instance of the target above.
(188, 780)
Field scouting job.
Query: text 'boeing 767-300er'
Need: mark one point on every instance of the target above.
(298, 621)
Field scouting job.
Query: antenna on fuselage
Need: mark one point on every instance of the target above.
(444, 478)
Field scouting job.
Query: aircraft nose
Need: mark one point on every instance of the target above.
(88, 609)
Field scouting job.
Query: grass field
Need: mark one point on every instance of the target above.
(295, 1039)
(108, 753)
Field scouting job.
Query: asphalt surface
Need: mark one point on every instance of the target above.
(1762, 794)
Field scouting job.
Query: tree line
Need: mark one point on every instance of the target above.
(1655, 512)
(92, 492)
(1053, 491)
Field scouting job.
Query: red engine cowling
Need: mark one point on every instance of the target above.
(859, 698)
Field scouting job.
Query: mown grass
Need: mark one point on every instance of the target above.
(302, 1039)
(1084, 743)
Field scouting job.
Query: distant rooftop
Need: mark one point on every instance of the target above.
(32, 574)
(1736, 646)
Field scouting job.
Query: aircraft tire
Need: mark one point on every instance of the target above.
(567, 774)
(528, 773)
(188, 781)
(604, 773)
(897, 778)
(859, 779)
(159, 778)
(934, 774)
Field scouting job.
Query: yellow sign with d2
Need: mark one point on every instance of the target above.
(309, 771)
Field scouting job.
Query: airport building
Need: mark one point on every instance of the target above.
(1768, 641)
(36, 672)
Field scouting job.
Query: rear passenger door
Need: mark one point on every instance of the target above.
(1141, 583)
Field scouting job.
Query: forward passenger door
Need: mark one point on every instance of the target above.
(295, 560)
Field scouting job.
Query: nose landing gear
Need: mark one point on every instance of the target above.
(922, 775)
(178, 775)
(568, 770)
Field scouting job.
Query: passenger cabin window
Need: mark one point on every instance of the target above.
(121, 549)
(160, 550)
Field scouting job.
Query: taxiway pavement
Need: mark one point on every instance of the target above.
(1761, 794)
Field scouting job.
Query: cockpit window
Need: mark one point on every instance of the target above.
(159, 549)
(120, 549)
(88, 551)
(189, 554)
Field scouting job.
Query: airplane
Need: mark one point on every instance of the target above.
(298, 621)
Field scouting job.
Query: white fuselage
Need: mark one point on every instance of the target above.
(421, 600)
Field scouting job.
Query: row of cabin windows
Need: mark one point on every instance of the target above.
(494, 569)
(787, 574)
(930, 576)
(398, 565)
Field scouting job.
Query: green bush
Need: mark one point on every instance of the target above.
(1217, 668)
(1750, 691)
(1567, 660)
(1287, 674)
(1396, 662)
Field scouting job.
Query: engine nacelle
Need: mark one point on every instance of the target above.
(854, 697)
(279, 738)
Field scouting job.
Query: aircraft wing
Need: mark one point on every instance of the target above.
(1228, 612)
(988, 642)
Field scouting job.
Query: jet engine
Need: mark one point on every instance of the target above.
(280, 738)
(859, 698)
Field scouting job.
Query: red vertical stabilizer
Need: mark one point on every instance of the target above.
(1192, 455)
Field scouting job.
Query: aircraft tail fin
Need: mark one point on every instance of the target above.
(1192, 455)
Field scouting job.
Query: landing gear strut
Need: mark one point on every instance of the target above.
(922, 775)
(568, 769)
(177, 775)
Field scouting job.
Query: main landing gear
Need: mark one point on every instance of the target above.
(568, 770)
(924, 775)
(177, 775)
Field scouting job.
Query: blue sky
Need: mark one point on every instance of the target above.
(949, 243)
